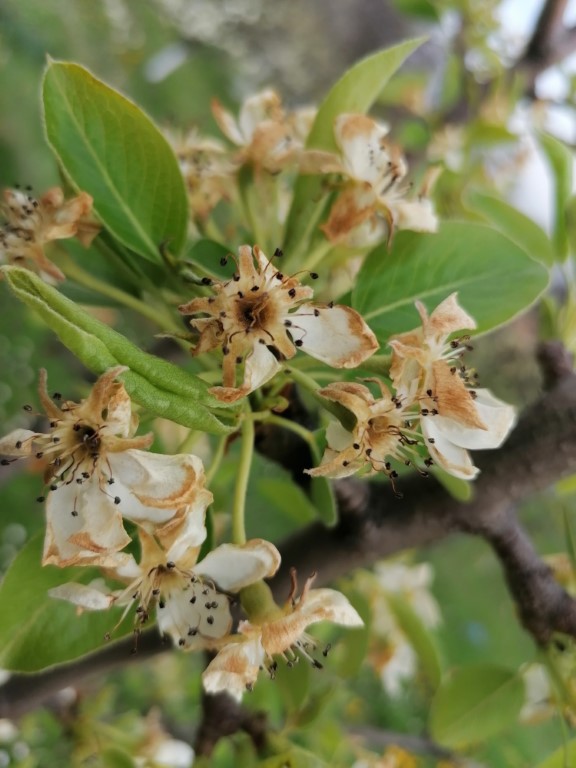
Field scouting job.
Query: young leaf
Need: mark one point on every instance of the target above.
(515, 225)
(494, 278)
(109, 148)
(563, 757)
(474, 704)
(356, 91)
(561, 161)
(161, 387)
(38, 631)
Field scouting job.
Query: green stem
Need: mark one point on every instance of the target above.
(216, 460)
(298, 429)
(317, 255)
(302, 378)
(239, 505)
(80, 276)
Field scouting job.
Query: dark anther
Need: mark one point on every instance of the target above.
(40, 499)
(181, 642)
(28, 408)
(331, 304)
(298, 342)
(170, 564)
(225, 350)
(74, 513)
(316, 664)
(193, 599)
(57, 396)
(18, 445)
(223, 261)
(110, 481)
(292, 292)
(255, 288)
(316, 313)
(356, 446)
(240, 295)
(192, 632)
(117, 499)
(288, 323)
(278, 253)
(55, 439)
(206, 281)
(39, 454)
(53, 487)
(314, 275)
(161, 604)
(279, 276)
(210, 619)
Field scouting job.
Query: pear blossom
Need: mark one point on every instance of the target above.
(261, 316)
(281, 633)
(97, 472)
(207, 170)
(384, 431)
(191, 598)
(266, 136)
(373, 201)
(456, 415)
(31, 224)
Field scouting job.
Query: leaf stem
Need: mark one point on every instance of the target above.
(216, 460)
(239, 504)
(80, 276)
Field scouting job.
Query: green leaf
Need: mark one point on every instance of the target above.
(560, 159)
(475, 703)
(356, 91)
(324, 500)
(294, 684)
(515, 225)
(38, 631)
(456, 487)
(113, 757)
(419, 638)
(495, 279)
(163, 388)
(109, 148)
(563, 757)
(424, 9)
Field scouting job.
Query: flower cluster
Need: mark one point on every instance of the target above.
(260, 316)
(435, 415)
(368, 171)
(97, 474)
(31, 224)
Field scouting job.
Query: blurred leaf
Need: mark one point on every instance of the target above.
(495, 279)
(294, 758)
(116, 758)
(571, 223)
(109, 148)
(294, 684)
(324, 500)
(459, 489)
(419, 637)
(207, 254)
(569, 535)
(318, 700)
(356, 91)
(561, 161)
(424, 9)
(563, 757)
(161, 387)
(475, 703)
(38, 631)
(353, 646)
(482, 134)
(514, 224)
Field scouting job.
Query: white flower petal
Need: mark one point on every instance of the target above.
(90, 535)
(337, 437)
(498, 416)
(233, 567)
(330, 605)
(234, 668)
(151, 486)
(445, 453)
(417, 215)
(85, 596)
(192, 532)
(336, 335)
(360, 141)
(17, 443)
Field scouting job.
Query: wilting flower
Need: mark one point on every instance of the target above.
(96, 473)
(456, 415)
(191, 598)
(207, 169)
(384, 431)
(373, 201)
(31, 224)
(236, 666)
(261, 316)
(267, 137)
